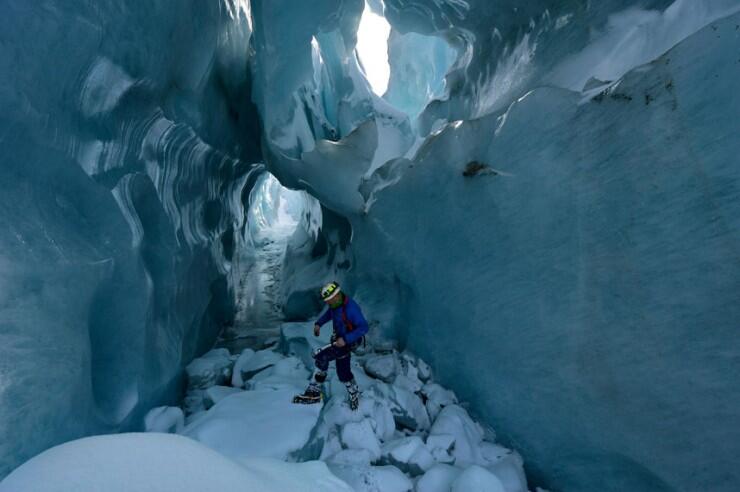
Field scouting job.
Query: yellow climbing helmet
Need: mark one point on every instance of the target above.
(330, 290)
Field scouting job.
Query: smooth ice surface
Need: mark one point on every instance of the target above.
(157, 463)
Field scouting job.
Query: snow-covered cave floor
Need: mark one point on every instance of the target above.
(409, 433)
(238, 430)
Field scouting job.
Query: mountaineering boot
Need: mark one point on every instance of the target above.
(354, 394)
(311, 395)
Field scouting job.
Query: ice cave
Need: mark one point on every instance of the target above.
(370, 245)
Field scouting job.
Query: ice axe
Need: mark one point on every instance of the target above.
(321, 349)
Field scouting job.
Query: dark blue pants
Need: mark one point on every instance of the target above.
(341, 355)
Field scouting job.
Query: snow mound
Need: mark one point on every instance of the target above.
(259, 423)
(150, 462)
(211, 369)
(477, 479)
(439, 478)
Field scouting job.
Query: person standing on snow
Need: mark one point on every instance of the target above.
(350, 327)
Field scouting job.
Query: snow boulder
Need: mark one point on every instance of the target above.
(215, 394)
(256, 362)
(214, 367)
(454, 420)
(260, 423)
(477, 479)
(437, 397)
(407, 408)
(408, 377)
(373, 478)
(440, 446)
(408, 454)
(383, 367)
(160, 462)
(164, 419)
(236, 378)
(506, 464)
(287, 373)
(361, 436)
(351, 457)
(438, 478)
(336, 414)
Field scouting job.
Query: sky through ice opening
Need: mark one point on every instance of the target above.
(372, 48)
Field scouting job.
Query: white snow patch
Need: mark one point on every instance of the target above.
(151, 462)
(260, 423)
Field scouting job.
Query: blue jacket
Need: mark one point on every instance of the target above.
(351, 310)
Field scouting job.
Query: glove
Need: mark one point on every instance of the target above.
(316, 330)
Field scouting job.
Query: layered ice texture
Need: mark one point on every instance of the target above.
(128, 142)
(557, 231)
(544, 205)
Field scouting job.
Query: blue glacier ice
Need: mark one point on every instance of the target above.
(544, 205)
(128, 142)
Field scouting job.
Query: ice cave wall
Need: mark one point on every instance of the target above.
(564, 244)
(128, 139)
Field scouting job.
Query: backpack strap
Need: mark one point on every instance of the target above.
(347, 323)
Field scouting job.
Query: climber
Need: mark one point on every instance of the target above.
(350, 328)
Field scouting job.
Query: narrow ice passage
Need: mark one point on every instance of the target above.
(273, 215)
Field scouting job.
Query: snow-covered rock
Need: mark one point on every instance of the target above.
(214, 367)
(256, 362)
(383, 367)
(361, 436)
(424, 371)
(408, 377)
(260, 423)
(373, 478)
(215, 394)
(153, 462)
(236, 378)
(352, 457)
(407, 408)
(408, 454)
(164, 419)
(437, 397)
(506, 464)
(336, 414)
(477, 479)
(287, 373)
(438, 478)
(440, 445)
(454, 420)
